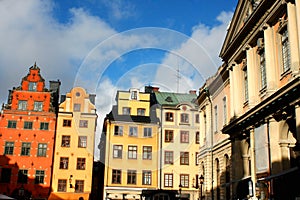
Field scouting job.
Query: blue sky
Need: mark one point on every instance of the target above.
(109, 45)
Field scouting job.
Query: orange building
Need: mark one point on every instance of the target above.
(27, 133)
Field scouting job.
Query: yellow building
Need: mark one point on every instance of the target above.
(131, 152)
(74, 147)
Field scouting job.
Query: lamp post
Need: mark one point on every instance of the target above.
(201, 179)
(70, 181)
(180, 186)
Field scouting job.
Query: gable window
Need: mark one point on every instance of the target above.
(39, 176)
(38, 106)
(83, 123)
(285, 51)
(62, 185)
(9, 148)
(42, 149)
(12, 124)
(133, 131)
(146, 177)
(118, 130)
(82, 141)
(131, 177)
(184, 136)
(184, 158)
(184, 180)
(44, 126)
(168, 180)
(116, 176)
(141, 111)
(169, 135)
(32, 86)
(65, 141)
(22, 176)
(22, 105)
(169, 156)
(147, 132)
(117, 151)
(147, 153)
(64, 163)
(77, 107)
(25, 150)
(79, 186)
(169, 117)
(126, 110)
(132, 152)
(66, 123)
(80, 164)
(27, 125)
(184, 118)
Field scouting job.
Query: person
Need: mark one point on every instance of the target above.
(81, 198)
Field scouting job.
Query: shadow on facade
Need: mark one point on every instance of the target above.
(17, 185)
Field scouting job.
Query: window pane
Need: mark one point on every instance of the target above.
(44, 126)
(39, 176)
(65, 141)
(62, 185)
(9, 148)
(42, 149)
(82, 141)
(25, 150)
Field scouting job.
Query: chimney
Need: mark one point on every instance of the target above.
(150, 89)
(192, 91)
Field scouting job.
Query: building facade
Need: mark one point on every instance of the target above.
(74, 146)
(27, 132)
(261, 53)
(131, 147)
(215, 148)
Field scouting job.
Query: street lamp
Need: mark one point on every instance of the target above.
(201, 179)
(70, 181)
(180, 186)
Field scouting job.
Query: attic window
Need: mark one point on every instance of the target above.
(32, 86)
(169, 99)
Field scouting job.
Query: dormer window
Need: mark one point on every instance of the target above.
(134, 94)
(32, 86)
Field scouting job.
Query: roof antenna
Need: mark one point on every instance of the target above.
(178, 76)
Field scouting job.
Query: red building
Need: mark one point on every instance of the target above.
(27, 132)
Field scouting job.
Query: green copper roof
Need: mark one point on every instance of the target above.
(173, 99)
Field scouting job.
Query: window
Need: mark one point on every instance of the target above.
(126, 111)
(168, 182)
(83, 123)
(118, 130)
(146, 177)
(262, 61)
(12, 124)
(132, 152)
(25, 150)
(62, 185)
(285, 50)
(133, 131)
(184, 158)
(9, 148)
(216, 119)
(131, 177)
(82, 141)
(197, 139)
(22, 105)
(44, 126)
(184, 136)
(197, 119)
(27, 125)
(77, 107)
(246, 93)
(147, 132)
(64, 163)
(38, 106)
(224, 110)
(42, 149)
(117, 151)
(116, 176)
(32, 86)
(169, 117)
(184, 118)
(147, 153)
(65, 141)
(169, 135)
(80, 164)
(5, 175)
(141, 111)
(79, 186)
(134, 95)
(184, 180)
(66, 123)
(169, 156)
(39, 176)
(196, 158)
(22, 176)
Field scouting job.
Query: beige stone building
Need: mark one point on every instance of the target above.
(74, 147)
(261, 53)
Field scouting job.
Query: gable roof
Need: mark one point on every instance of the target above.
(174, 99)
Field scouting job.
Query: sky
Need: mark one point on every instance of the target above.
(110, 45)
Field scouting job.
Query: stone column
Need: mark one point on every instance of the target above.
(245, 157)
(231, 79)
(293, 36)
(253, 161)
